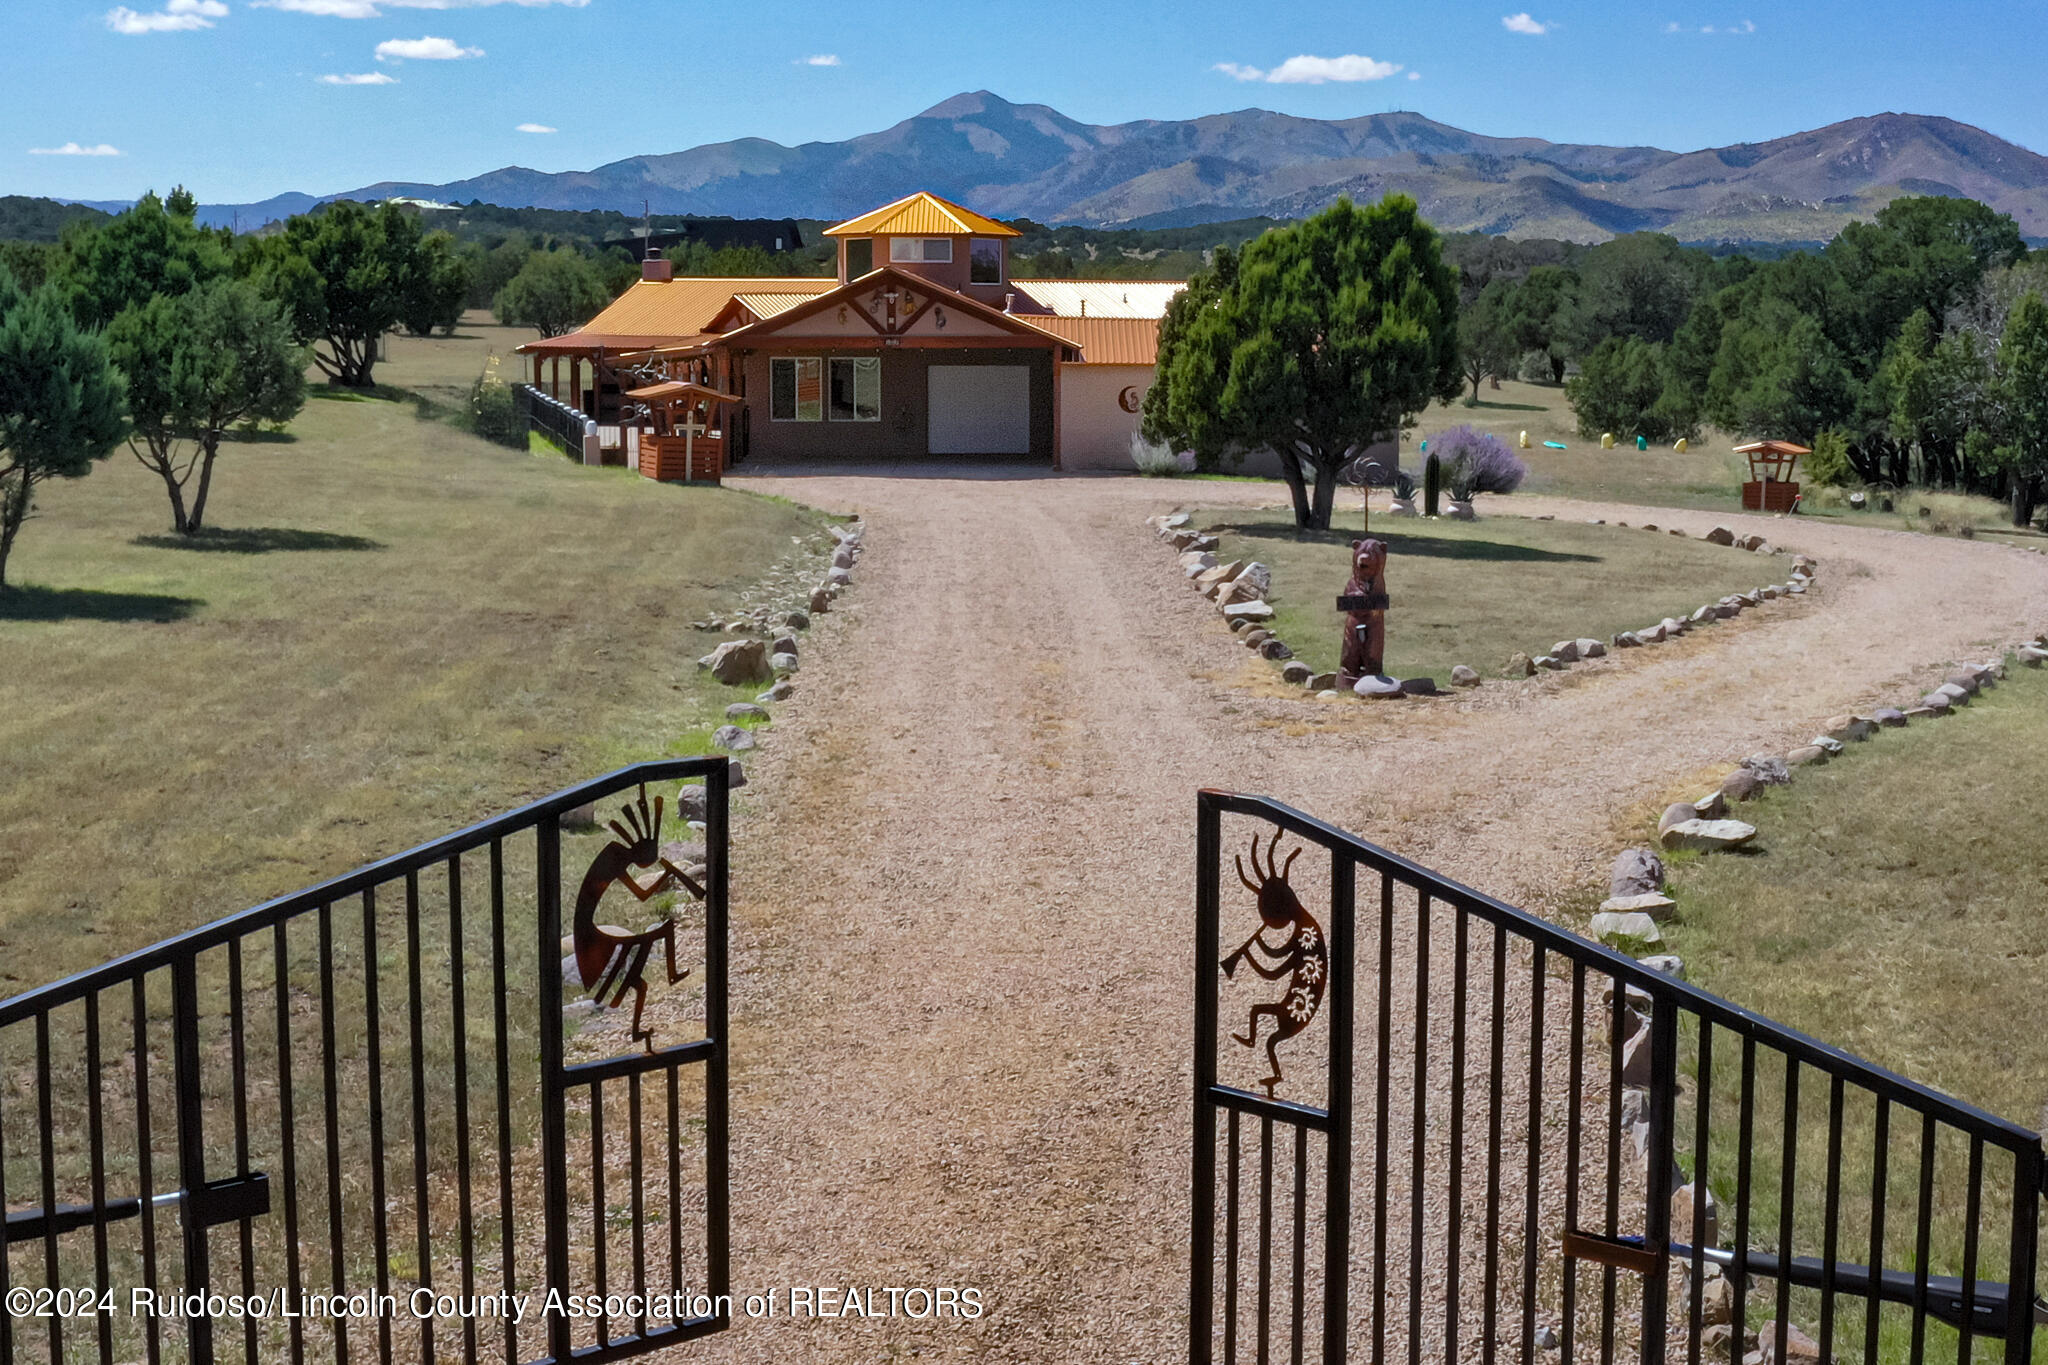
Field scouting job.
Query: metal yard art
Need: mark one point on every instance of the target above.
(610, 960)
(1302, 957)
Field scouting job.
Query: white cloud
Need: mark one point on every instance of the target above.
(74, 149)
(424, 50)
(822, 59)
(1415, 75)
(176, 16)
(361, 78)
(1673, 27)
(535, 128)
(371, 9)
(1306, 70)
(1523, 23)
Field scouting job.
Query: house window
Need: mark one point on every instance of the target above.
(856, 394)
(795, 389)
(985, 261)
(928, 250)
(860, 257)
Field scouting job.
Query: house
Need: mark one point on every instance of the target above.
(922, 346)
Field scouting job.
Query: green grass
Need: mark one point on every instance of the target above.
(1892, 908)
(393, 628)
(1476, 592)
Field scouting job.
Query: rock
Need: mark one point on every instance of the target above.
(1712, 806)
(1565, 651)
(746, 710)
(1936, 703)
(783, 663)
(1702, 615)
(1749, 599)
(1805, 754)
(1673, 626)
(737, 662)
(2032, 655)
(1462, 676)
(1675, 814)
(1239, 589)
(1720, 535)
(1891, 717)
(1297, 672)
(1769, 769)
(1655, 635)
(1518, 666)
(1717, 1295)
(842, 558)
(1551, 662)
(1800, 1349)
(784, 644)
(1921, 713)
(690, 802)
(733, 738)
(1248, 611)
(1655, 904)
(1258, 576)
(1221, 573)
(1741, 785)
(1727, 611)
(1203, 544)
(1545, 1337)
(1590, 648)
(1770, 592)
(840, 576)
(1238, 627)
(1752, 543)
(1682, 1201)
(1649, 526)
(1796, 587)
(1377, 686)
(1828, 745)
(1609, 927)
(1669, 964)
(1955, 693)
(1195, 565)
(580, 817)
(821, 602)
(1636, 872)
(1965, 678)
(1327, 694)
(683, 855)
(796, 620)
(1182, 539)
(1254, 637)
(736, 776)
(1323, 681)
(1626, 639)
(1276, 650)
(1850, 729)
(1708, 836)
(1173, 521)
(1418, 687)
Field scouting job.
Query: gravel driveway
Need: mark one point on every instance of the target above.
(963, 874)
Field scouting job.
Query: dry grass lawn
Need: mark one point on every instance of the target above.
(397, 629)
(1476, 592)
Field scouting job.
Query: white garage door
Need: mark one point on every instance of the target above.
(980, 410)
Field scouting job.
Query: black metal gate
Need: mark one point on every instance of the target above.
(1572, 1155)
(358, 1123)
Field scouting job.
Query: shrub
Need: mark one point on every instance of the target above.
(1477, 462)
(493, 414)
(1828, 465)
(1156, 460)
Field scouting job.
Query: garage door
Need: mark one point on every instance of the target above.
(980, 410)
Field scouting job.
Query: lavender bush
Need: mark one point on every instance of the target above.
(1477, 462)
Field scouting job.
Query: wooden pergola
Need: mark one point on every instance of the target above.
(1771, 465)
(679, 440)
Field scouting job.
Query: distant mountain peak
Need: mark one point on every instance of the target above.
(1030, 160)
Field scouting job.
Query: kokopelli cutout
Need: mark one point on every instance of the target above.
(610, 960)
(1302, 957)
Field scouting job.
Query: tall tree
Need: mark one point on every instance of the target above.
(197, 366)
(434, 285)
(341, 274)
(1641, 285)
(2023, 380)
(1336, 331)
(150, 249)
(554, 292)
(1537, 311)
(60, 402)
(1486, 342)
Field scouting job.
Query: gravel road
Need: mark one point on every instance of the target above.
(963, 873)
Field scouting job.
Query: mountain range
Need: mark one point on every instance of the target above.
(1029, 160)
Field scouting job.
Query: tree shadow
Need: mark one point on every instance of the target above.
(92, 604)
(1505, 407)
(1409, 544)
(257, 540)
(262, 436)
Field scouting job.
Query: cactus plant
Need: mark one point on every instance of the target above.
(1432, 485)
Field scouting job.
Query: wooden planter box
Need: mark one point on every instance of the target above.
(664, 458)
(1774, 496)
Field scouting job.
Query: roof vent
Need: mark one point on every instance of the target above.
(1009, 303)
(657, 270)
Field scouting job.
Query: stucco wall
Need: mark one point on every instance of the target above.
(1095, 430)
(904, 427)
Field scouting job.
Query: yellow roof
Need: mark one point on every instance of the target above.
(654, 312)
(768, 305)
(920, 215)
(1106, 341)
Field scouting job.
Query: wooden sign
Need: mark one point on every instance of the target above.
(1371, 601)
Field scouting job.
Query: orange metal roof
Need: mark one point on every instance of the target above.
(920, 215)
(671, 389)
(653, 312)
(1108, 341)
(768, 305)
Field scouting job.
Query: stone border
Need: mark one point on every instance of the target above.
(1240, 588)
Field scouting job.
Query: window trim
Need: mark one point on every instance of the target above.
(1002, 260)
(854, 360)
(796, 400)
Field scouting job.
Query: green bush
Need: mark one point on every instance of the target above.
(493, 414)
(1828, 465)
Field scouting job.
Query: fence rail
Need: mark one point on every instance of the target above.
(1561, 1147)
(559, 422)
(368, 1088)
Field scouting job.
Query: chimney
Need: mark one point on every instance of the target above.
(1009, 303)
(657, 270)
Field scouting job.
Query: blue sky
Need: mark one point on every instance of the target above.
(242, 99)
